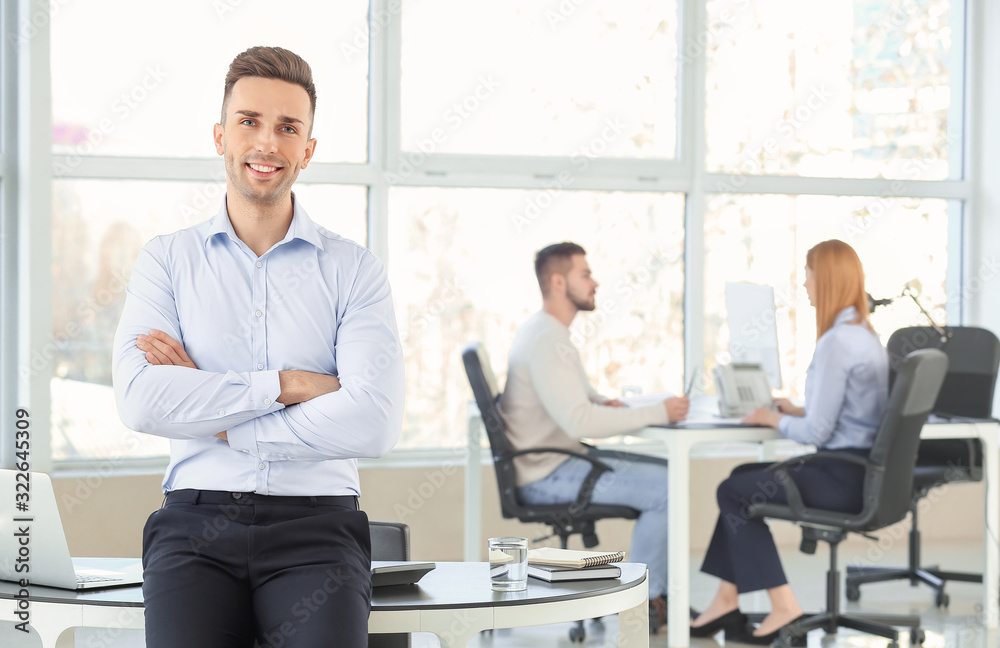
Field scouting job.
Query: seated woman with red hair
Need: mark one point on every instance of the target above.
(847, 388)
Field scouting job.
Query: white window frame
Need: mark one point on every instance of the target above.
(8, 233)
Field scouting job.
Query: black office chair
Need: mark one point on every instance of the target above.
(564, 520)
(390, 541)
(886, 496)
(967, 392)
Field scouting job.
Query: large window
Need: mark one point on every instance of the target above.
(763, 239)
(862, 89)
(463, 270)
(530, 78)
(162, 97)
(684, 143)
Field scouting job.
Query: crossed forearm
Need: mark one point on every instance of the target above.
(299, 386)
(296, 386)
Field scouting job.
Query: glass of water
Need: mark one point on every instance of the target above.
(508, 564)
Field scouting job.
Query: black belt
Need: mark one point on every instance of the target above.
(194, 496)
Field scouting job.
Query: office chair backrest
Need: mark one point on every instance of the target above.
(973, 359)
(390, 540)
(888, 489)
(484, 387)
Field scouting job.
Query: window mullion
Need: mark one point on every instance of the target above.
(36, 344)
(691, 98)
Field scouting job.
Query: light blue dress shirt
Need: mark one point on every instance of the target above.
(847, 388)
(315, 302)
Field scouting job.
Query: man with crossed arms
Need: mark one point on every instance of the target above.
(265, 348)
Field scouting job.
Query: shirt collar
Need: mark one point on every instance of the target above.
(849, 314)
(302, 227)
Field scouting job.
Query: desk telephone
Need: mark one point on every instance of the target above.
(742, 388)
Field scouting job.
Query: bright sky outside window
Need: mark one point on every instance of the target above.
(529, 78)
(858, 89)
(163, 97)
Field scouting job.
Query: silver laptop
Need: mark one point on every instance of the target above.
(32, 542)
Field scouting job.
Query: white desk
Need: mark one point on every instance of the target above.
(454, 602)
(679, 443)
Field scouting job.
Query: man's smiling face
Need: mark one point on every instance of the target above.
(265, 138)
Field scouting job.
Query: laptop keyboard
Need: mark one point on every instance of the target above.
(91, 578)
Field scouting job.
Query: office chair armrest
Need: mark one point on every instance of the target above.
(580, 455)
(801, 459)
(597, 468)
(792, 493)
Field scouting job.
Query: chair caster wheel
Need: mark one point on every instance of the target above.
(917, 637)
(853, 593)
(942, 599)
(577, 634)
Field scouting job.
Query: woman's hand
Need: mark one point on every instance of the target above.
(786, 406)
(764, 416)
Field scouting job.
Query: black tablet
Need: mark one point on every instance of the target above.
(394, 572)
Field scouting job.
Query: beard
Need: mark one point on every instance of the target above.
(254, 192)
(585, 304)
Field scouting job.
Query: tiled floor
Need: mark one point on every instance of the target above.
(958, 626)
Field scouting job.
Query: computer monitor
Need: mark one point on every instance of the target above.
(753, 331)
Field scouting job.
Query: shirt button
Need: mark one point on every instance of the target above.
(261, 466)
(258, 313)
(260, 265)
(260, 365)
(246, 451)
(267, 401)
(222, 412)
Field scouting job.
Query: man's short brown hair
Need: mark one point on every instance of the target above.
(270, 63)
(556, 258)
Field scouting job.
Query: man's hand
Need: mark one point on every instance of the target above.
(299, 386)
(677, 408)
(614, 402)
(161, 349)
(786, 406)
(764, 416)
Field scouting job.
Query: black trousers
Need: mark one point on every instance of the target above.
(742, 550)
(222, 570)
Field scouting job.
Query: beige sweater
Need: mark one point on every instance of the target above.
(548, 401)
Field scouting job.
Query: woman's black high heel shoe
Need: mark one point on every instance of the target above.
(731, 622)
(749, 637)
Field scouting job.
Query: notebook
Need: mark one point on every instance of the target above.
(552, 557)
(32, 542)
(554, 574)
